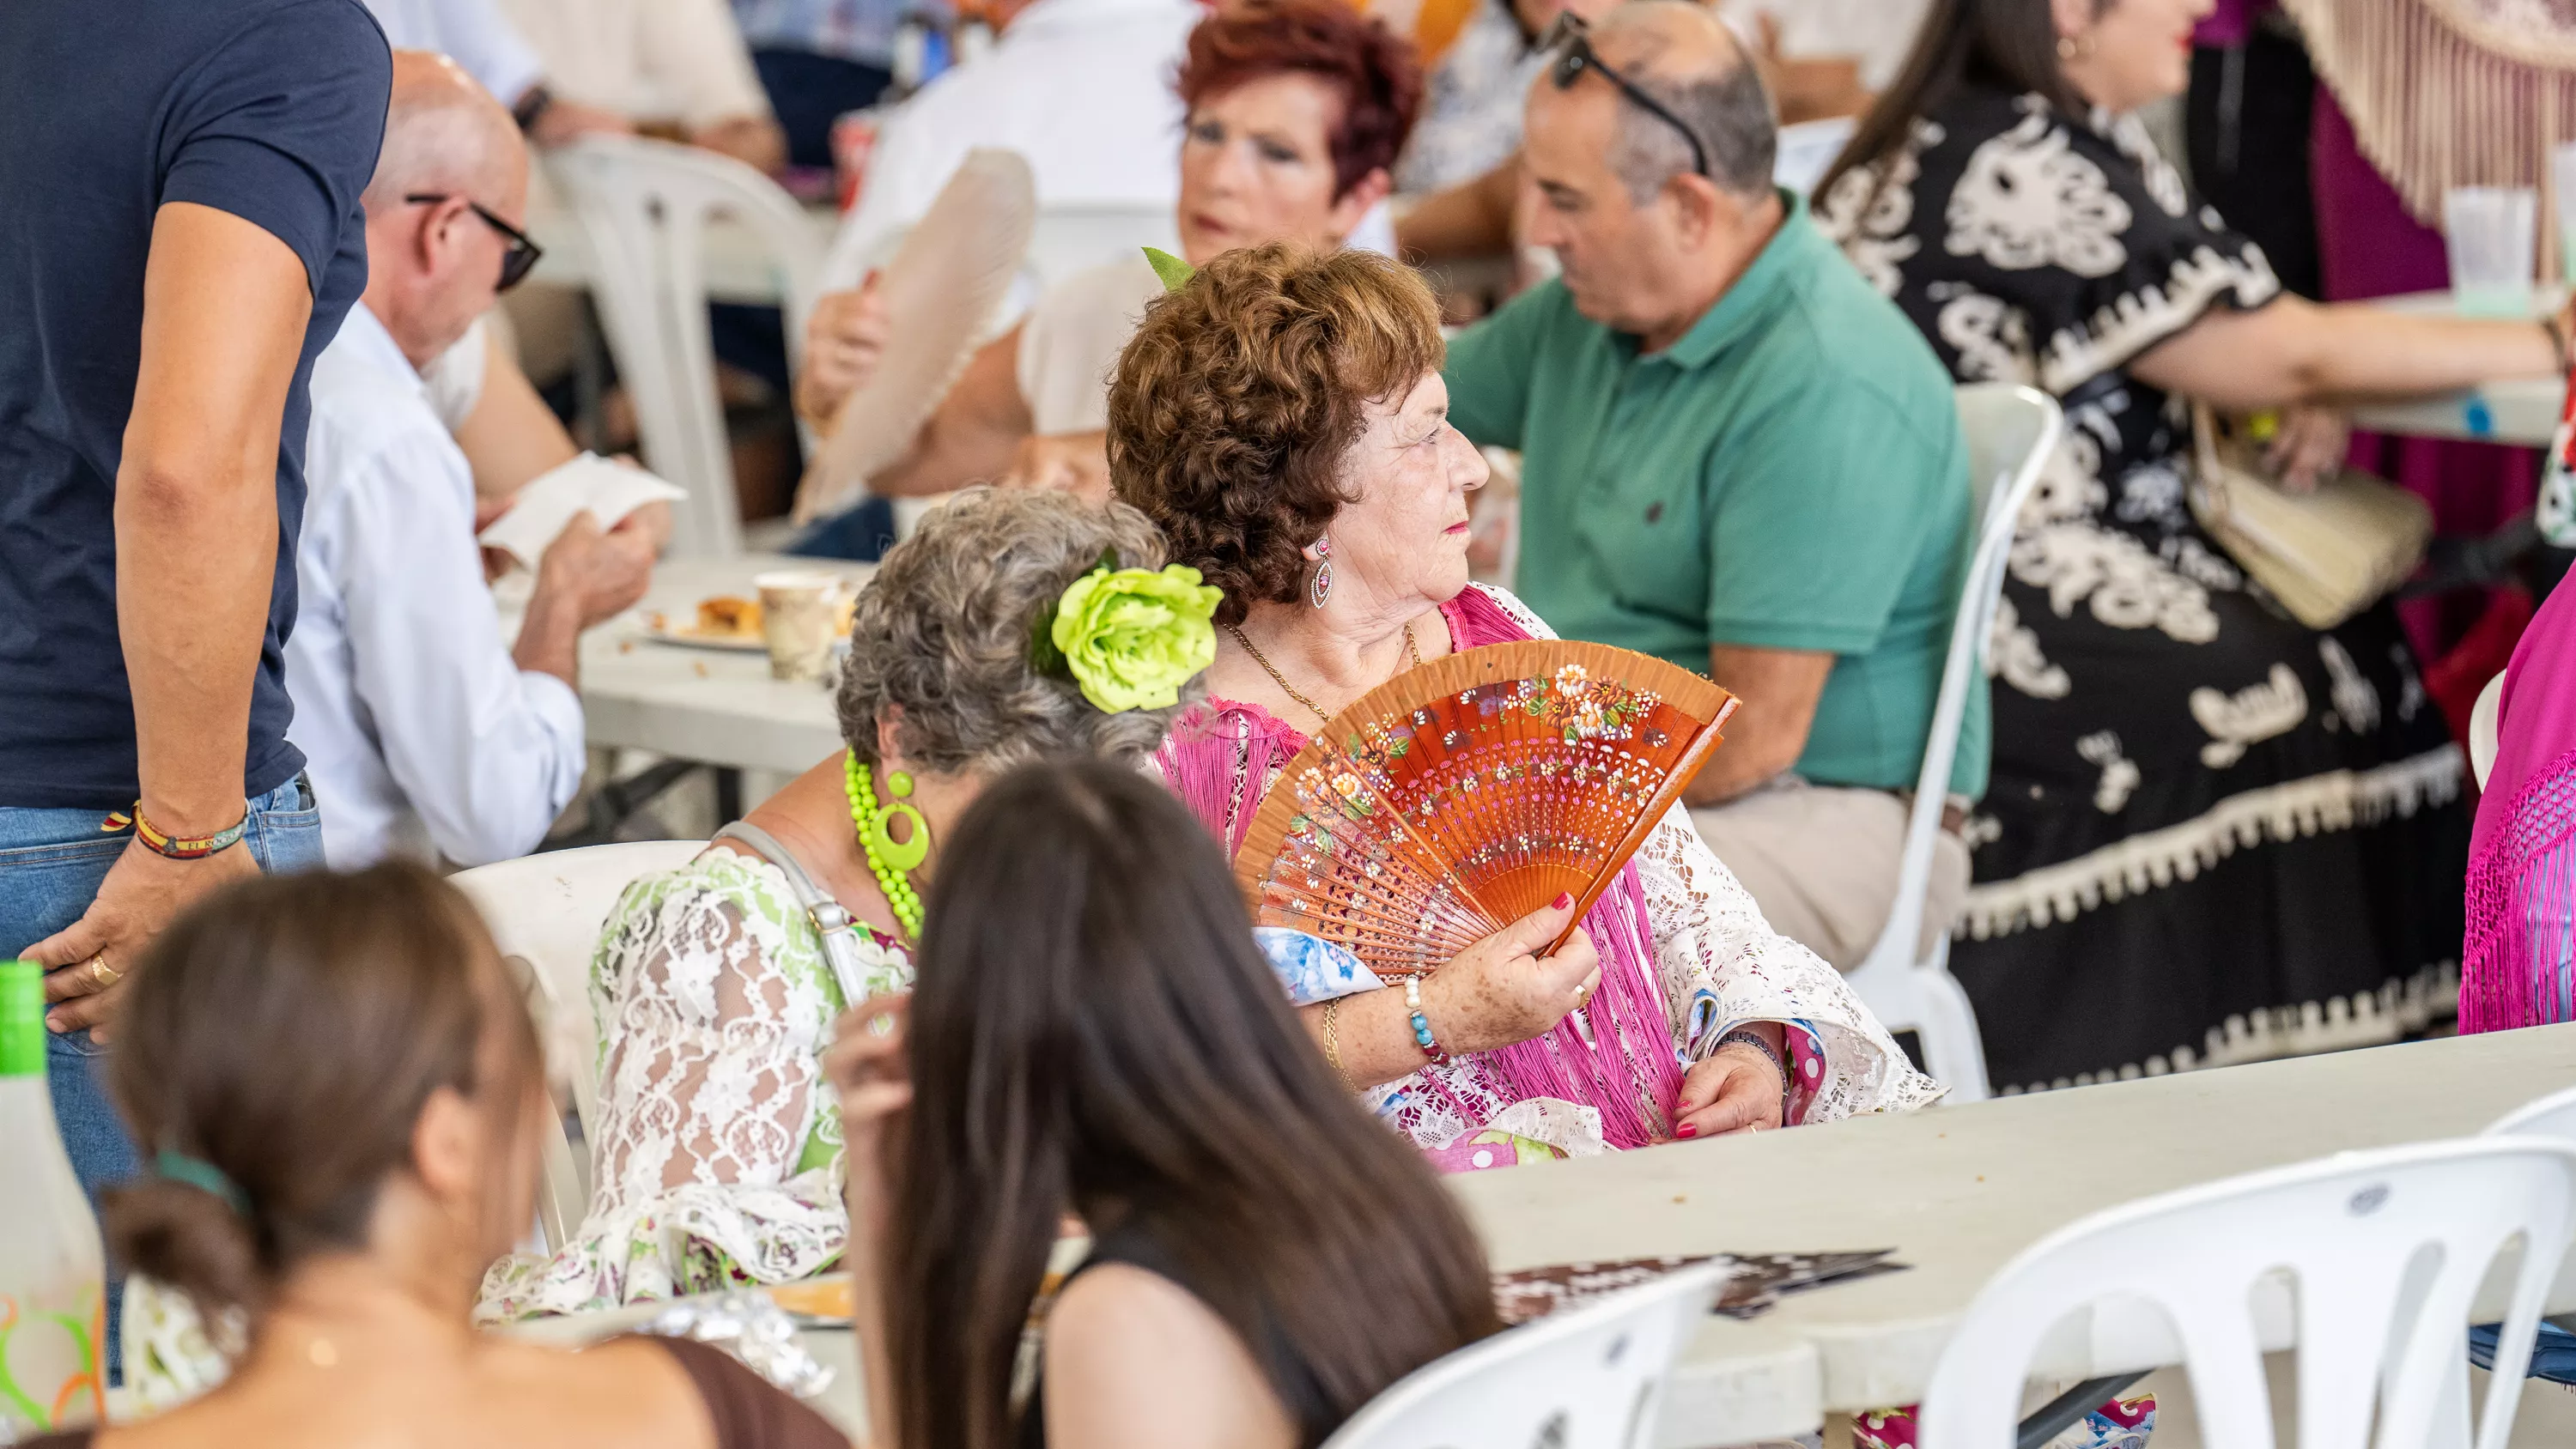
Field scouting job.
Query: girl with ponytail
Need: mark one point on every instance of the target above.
(340, 1095)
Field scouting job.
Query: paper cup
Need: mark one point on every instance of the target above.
(799, 613)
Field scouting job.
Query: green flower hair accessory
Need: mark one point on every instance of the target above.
(1129, 637)
(1175, 273)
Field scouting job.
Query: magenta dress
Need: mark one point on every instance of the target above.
(2518, 961)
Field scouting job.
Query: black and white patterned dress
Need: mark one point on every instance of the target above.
(2213, 834)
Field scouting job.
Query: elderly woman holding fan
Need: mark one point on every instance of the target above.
(1281, 416)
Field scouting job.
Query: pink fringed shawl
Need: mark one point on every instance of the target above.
(1221, 760)
(2518, 963)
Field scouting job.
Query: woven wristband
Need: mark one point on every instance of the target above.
(180, 847)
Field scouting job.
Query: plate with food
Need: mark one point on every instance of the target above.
(723, 622)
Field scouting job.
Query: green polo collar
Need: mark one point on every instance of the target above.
(1792, 249)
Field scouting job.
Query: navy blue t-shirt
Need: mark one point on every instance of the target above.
(272, 110)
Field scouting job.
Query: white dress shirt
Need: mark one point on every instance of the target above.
(646, 60)
(1082, 88)
(421, 736)
(472, 33)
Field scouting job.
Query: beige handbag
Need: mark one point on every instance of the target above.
(2325, 555)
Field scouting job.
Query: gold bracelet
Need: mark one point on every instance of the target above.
(1333, 1039)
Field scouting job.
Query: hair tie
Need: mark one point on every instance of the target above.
(202, 1175)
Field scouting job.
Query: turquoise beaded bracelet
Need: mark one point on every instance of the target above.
(1421, 1023)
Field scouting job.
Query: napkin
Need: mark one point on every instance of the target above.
(609, 491)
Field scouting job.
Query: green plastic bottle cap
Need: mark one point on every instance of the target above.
(22, 1019)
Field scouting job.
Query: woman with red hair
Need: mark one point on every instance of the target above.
(1296, 111)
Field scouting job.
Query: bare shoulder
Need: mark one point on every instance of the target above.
(1136, 1361)
(628, 1391)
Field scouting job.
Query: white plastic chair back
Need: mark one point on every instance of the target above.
(547, 910)
(2484, 719)
(2550, 1116)
(1585, 1378)
(644, 207)
(1807, 151)
(2010, 432)
(2387, 1249)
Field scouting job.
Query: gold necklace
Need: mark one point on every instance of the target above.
(1411, 652)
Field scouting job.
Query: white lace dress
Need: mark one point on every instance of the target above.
(716, 1158)
(1718, 963)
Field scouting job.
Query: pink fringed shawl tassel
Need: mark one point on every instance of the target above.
(2515, 965)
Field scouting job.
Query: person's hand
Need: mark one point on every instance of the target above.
(90, 964)
(1076, 463)
(845, 339)
(869, 1067)
(1736, 1089)
(601, 575)
(1500, 991)
(563, 122)
(2308, 447)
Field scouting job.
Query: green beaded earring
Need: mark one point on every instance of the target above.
(905, 855)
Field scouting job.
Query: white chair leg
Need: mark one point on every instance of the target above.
(1953, 1049)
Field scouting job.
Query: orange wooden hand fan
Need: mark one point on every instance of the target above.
(1459, 797)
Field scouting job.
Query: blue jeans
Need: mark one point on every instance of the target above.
(51, 865)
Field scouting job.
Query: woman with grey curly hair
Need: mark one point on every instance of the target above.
(1014, 626)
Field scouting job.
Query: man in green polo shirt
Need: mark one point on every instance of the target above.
(1737, 456)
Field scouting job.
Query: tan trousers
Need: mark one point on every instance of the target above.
(1821, 862)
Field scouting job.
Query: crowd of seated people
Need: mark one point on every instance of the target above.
(825, 1044)
(1290, 114)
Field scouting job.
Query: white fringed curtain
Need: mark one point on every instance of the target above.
(2446, 93)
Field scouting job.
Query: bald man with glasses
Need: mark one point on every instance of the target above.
(427, 733)
(1737, 456)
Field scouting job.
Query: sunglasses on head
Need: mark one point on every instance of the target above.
(518, 261)
(1574, 56)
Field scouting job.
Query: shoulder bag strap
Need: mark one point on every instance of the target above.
(831, 919)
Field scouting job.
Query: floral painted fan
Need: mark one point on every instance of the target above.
(1459, 797)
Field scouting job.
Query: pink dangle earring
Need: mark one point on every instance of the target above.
(1320, 587)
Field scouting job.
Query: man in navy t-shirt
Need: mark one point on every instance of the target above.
(182, 238)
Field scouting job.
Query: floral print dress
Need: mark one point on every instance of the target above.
(2213, 834)
(717, 1155)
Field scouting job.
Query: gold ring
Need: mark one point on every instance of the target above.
(102, 974)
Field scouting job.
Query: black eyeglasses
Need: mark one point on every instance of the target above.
(1574, 56)
(518, 261)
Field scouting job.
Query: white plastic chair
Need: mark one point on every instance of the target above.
(546, 910)
(2388, 1249)
(2010, 433)
(2484, 718)
(644, 207)
(1584, 1378)
(1807, 151)
(2551, 1116)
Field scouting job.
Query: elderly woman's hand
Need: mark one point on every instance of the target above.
(1500, 991)
(1738, 1088)
(867, 1064)
(845, 339)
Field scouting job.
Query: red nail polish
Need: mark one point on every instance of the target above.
(1564, 899)
(1686, 1130)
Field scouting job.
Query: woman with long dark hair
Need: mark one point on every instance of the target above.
(1094, 1032)
(2213, 834)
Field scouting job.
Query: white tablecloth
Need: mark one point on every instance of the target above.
(716, 706)
(2521, 411)
(1956, 1191)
